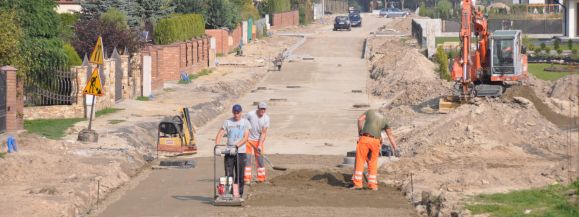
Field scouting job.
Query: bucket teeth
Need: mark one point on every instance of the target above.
(448, 103)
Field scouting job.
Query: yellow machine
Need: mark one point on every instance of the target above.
(175, 134)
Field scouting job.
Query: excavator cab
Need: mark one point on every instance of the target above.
(507, 63)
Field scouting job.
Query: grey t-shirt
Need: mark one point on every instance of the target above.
(257, 124)
(234, 131)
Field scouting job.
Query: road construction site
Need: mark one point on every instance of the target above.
(528, 138)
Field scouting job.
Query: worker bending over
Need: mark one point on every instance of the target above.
(237, 131)
(259, 122)
(370, 126)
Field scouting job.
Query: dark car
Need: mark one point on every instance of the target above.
(355, 20)
(342, 22)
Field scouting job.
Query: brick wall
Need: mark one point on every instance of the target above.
(168, 61)
(285, 19)
(222, 39)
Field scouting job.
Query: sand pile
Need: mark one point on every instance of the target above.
(567, 88)
(403, 74)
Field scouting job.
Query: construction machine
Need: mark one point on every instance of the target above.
(484, 70)
(175, 135)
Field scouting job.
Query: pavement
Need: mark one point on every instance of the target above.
(311, 106)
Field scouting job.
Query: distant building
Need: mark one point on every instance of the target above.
(68, 6)
(571, 23)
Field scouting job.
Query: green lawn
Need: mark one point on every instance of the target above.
(538, 70)
(106, 111)
(549, 201)
(441, 40)
(143, 98)
(50, 128)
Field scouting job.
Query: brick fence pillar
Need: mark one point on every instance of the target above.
(14, 100)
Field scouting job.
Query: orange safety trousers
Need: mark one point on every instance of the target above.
(367, 144)
(252, 153)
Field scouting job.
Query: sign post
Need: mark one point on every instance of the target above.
(93, 87)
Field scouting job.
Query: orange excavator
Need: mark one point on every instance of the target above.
(484, 70)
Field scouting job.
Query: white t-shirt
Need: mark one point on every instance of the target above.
(257, 124)
(234, 131)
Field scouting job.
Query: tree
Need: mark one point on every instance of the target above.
(11, 35)
(115, 17)
(557, 44)
(190, 6)
(221, 13)
(67, 22)
(41, 48)
(139, 12)
(88, 31)
(444, 8)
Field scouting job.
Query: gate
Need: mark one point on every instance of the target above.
(51, 86)
(249, 29)
(2, 101)
(118, 76)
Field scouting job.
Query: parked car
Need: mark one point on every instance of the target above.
(355, 20)
(354, 11)
(393, 12)
(342, 22)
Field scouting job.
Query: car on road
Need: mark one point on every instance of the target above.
(355, 20)
(393, 12)
(342, 22)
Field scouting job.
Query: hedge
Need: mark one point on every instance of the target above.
(179, 27)
(278, 6)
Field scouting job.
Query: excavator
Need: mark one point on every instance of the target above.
(484, 70)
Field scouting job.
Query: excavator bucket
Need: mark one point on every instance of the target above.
(448, 103)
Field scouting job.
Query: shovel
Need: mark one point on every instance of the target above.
(269, 162)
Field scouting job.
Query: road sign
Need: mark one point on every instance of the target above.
(97, 54)
(93, 85)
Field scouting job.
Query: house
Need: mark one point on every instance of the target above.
(571, 28)
(68, 6)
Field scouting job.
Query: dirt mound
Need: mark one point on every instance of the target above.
(567, 88)
(403, 25)
(403, 74)
(322, 188)
(527, 92)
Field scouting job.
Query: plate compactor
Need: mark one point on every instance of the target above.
(225, 191)
(175, 134)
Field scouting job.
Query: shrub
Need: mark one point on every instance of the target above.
(442, 60)
(304, 10)
(67, 22)
(277, 6)
(248, 10)
(574, 51)
(73, 59)
(570, 44)
(557, 44)
(559, 51)
(543, 46)
(88, 31)
(548, 50)
(115, 17)
(179, 27)
(221, 13)
(12, 37)
(537, 50)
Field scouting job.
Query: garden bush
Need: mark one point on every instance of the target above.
(178, 28)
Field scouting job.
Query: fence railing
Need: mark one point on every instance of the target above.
(51, 87)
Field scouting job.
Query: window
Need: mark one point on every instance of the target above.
(503, 56)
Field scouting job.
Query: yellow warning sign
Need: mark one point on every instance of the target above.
(93, 85)
(97, 54)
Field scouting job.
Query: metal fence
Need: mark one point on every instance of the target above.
(545, 26)
(55, 86)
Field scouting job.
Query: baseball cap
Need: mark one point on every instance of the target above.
(262, 105)
(236, 108)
